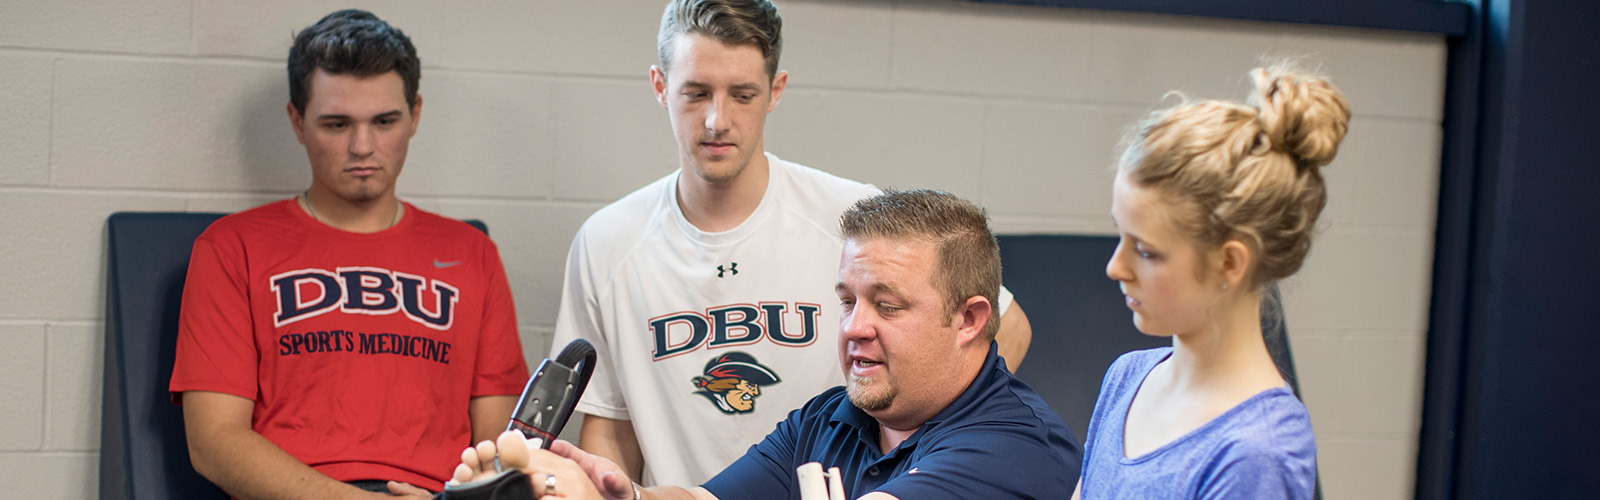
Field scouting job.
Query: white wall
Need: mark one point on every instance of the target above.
(538, 112)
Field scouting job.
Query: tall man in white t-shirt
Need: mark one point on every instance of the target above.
(709, 292)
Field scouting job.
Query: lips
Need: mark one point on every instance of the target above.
(861, 366)
(717, 148)
(362, 171)
(1132, 302)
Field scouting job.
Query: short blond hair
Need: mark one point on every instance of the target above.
(1250, 172)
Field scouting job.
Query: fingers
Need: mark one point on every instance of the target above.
(400, 489)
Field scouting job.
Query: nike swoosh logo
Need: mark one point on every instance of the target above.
(442, 265)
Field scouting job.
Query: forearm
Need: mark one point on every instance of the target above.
(226, 451)
(1016, 333)
(614, 440)
(248, 466)
(489, 415)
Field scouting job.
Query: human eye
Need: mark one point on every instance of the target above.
(888, 308)
(1144, 253)
(388, 120)
(335, 125)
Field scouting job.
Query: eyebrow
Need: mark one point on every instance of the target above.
(390, 114)
(880, 287)
(751, 86)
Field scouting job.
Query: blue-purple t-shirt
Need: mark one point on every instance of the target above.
(1262, 448)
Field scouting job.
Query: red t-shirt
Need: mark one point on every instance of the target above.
(360, 351)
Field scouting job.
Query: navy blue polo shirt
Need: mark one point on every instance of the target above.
(997, 440)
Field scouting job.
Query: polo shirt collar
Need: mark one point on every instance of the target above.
(867, 427)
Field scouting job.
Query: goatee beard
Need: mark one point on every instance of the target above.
(861, 394)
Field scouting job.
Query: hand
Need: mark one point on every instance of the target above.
(399, 489)
(611, 479)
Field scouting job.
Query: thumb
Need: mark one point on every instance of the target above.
(616, 485)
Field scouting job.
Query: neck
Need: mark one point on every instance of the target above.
(717, 206)
(893, 429)
(1228, 352)
(333, 211)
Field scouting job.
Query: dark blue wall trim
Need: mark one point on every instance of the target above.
(1457, 232)
(1430, 16)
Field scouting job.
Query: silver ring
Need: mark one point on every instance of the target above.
(549, 484)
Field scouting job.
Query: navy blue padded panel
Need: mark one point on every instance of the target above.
(144, 454)
(1080, 324)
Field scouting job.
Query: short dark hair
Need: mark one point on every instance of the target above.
(969, 256)
(734, 22)
(351, 41)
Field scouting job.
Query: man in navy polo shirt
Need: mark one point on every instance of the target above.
(928, 409)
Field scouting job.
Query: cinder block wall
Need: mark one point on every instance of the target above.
(538, 112)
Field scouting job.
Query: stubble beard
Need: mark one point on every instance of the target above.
(866, 395)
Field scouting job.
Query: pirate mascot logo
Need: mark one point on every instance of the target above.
(733, 381)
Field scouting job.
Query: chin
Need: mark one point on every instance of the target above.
(868, 396)
(1145, 327)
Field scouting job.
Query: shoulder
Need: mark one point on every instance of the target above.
(1012, 413)
(1266, 441)
(1135, 365)
(444, 227)
(625, 221)
(271, 218)
(1273, 421)
(813, 191)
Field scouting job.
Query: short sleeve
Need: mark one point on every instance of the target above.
(1254, 474)
(767, 470)
(579, 317)
(991, 461)
(501, 369)
(216, 348)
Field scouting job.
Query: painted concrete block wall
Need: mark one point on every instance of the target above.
(536, 113)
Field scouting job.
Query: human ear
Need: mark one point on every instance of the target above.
(295, 123)
(1237, 259)
(976, 313)
(658, 83)
(778, 83)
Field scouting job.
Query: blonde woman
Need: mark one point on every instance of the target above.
(1213, 201)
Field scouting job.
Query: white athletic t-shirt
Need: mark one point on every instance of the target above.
(707, 340)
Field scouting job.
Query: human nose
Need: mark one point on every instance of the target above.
(856, 325)
(717, 116)
(1116, 268)
(363, 141)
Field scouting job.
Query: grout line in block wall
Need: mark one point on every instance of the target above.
(50, 158)
(75, 54)
(44, 391)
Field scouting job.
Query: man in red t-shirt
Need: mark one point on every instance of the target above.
(343, 343)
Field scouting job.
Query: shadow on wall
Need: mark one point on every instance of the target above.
(270, 159)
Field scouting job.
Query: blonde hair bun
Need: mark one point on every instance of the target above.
(1302, 115)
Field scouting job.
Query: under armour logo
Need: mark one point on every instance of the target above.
(732, 268)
